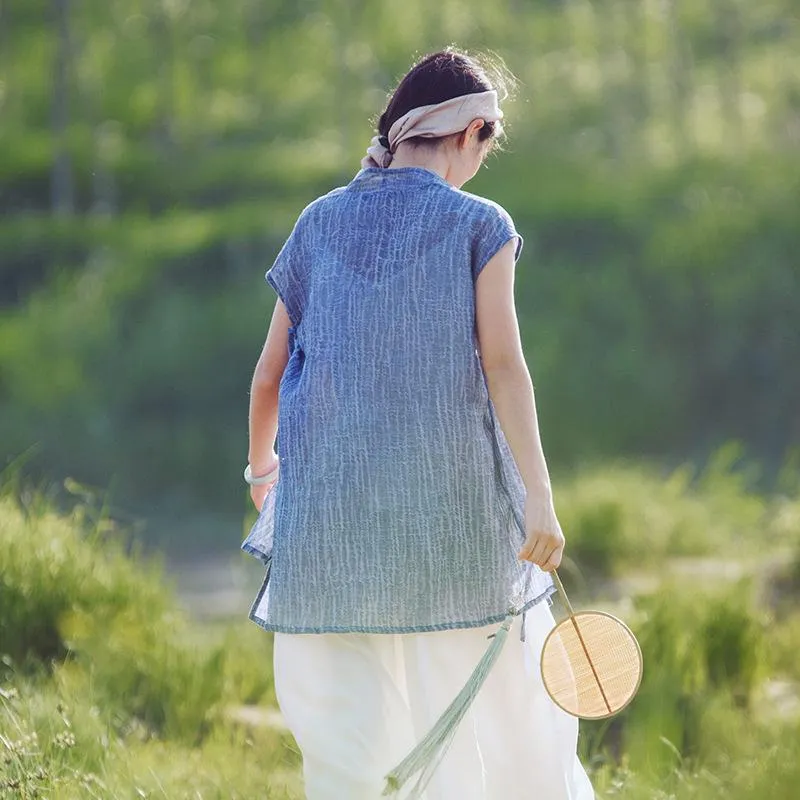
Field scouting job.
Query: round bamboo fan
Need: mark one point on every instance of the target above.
(591, 663)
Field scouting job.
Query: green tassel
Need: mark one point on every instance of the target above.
(427, 755)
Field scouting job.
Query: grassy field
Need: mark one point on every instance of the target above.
(108, 690)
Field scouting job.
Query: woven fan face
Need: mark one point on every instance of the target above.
(591, 665)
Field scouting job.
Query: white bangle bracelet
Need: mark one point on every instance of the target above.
(260, 480)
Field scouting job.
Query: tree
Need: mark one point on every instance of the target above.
(62, 187)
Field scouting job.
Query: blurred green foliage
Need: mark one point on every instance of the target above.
(155, 153)
(696, 646)
(73, 601)
(621, 517)
(106, 690)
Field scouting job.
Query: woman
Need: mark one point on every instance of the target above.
(414, 508)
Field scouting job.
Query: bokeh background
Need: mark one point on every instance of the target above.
(154, 155)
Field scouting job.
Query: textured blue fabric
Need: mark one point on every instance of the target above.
(399, 507)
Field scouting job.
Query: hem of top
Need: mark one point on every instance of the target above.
(257, 554)
(378, 629)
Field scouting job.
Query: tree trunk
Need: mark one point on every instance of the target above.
(727, 23)
(162, 35)
(637, 30)
(62, 188)
(681, 83)
(7, 60)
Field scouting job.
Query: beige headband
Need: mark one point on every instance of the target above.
(441, 119)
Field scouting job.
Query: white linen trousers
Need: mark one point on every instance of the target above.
(357, 703)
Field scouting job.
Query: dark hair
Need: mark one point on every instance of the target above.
(442, 76)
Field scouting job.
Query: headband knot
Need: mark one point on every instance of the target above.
(433, 121)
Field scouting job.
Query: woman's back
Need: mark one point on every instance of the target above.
(399, 507)
(383, 282)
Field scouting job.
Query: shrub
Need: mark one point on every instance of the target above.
(624, 515)
(703, 653)
(70, 598)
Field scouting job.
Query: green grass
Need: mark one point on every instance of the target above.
(60, 741)
(108, 691)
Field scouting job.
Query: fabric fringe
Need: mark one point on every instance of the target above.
(423, 760)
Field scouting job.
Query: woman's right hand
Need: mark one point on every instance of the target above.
(258, 493)
(544, 543)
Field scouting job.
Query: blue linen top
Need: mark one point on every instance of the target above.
(399, 507)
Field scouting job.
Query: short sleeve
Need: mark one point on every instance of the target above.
(288, 274)
(495, 231)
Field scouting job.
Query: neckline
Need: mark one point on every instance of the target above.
(420, 173)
